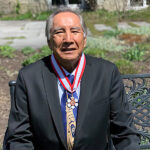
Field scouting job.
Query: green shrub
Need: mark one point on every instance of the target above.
(134, 53)
(27, 50)
(7, 51)
(125, 66)
(32, 59)
(45, 51)
(95, 52)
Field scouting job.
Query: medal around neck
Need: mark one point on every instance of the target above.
(72, 102)
(71, 88)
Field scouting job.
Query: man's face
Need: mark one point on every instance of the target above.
(67, 37)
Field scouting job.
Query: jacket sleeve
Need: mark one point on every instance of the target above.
(19, 134)
(123, 133)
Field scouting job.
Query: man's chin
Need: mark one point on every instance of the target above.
(71, 57)
(68, 57)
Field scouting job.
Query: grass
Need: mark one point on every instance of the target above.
(99, 16)
(140, 15)
(27, 16)
(42, 15)
(112, 18)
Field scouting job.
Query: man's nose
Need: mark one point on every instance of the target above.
(68, 37)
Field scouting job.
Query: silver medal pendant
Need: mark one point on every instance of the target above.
(72, 102)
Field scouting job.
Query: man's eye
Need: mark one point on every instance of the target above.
(75, 31)
(58, 32)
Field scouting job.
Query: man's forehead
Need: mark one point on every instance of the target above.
(65, 16)
(66, 19)
(66, 13)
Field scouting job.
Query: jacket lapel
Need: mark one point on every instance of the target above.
(83, 100)
(50, 82)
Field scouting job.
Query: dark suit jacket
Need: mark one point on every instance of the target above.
(35, 120)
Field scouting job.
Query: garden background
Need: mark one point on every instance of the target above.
(120, 37)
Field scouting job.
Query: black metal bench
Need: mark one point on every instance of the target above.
(138, 93)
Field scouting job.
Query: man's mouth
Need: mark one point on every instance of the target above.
(68, 49)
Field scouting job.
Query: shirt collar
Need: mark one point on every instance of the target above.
(67, 73)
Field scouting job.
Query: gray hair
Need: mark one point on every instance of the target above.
(49, 22)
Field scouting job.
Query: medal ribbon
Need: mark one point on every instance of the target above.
(62, 76)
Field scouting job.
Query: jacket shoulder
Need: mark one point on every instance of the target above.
(35, 67)
(100, 62)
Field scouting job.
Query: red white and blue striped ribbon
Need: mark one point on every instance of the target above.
(62, 76)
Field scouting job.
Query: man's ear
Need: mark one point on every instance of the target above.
(49, 44)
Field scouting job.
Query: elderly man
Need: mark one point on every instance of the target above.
(70, 100)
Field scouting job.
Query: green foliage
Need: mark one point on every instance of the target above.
(104, 43)
(141, 15)
(27, 16)
(27, 50)
(95, 52)
(17, 7)
(42, 15)
(106, 15)
(32, 59)
(134, 53)
(100, 16)
(125, 66)
(7, 51)
(45, 51)
(112, 33)
(137, 30)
